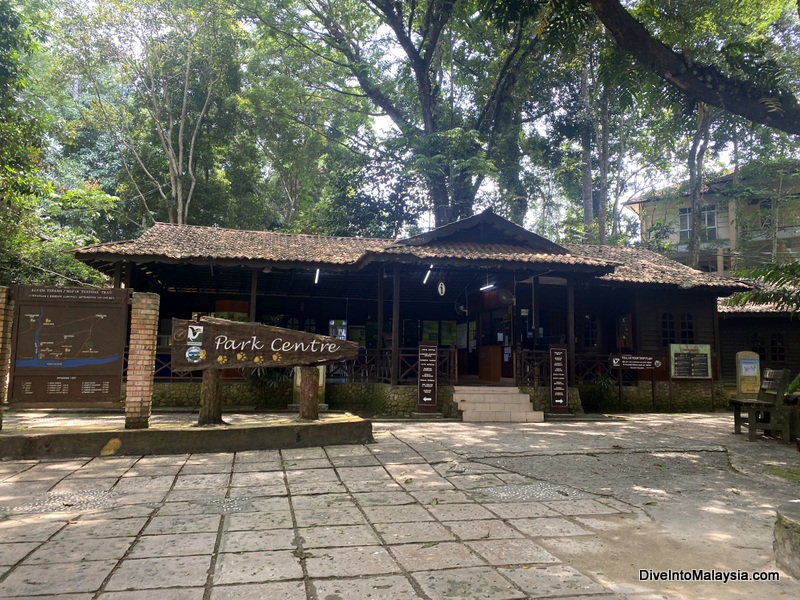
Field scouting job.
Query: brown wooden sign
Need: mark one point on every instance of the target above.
(212, 343)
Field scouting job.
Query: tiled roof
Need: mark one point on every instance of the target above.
(185, 242)
(500, 253)
(750, 309)
(190, 243)
(646, 267)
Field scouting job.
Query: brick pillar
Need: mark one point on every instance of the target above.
(141, 360)
(6, 320)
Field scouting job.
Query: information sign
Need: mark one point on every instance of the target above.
(558, 378)
(690, 361)
(68, 345)
(212, 343)
(427, 382)
(634, 363)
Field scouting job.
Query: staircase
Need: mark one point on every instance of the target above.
(495, 404)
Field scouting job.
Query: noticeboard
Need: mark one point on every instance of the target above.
(68, 345)
(690, 361)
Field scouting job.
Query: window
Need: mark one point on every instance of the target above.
(310, 325)
(667, 329)
(292, 323)
(684, 222)
(589, 331)
(759, 346)
(777, 348)
(710, 222)
(687, 329)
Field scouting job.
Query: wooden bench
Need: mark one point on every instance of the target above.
(768, 412)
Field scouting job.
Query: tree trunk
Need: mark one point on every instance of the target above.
(696, 155)
(586, 182)
(586, 161)
(602, 204)
(309, 393)
(210, 399)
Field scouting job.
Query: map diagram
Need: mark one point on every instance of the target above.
(50, 337)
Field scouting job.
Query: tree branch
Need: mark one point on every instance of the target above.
(774, 108)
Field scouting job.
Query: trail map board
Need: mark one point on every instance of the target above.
(68, 345)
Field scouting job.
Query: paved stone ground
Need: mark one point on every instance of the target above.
(437, 510)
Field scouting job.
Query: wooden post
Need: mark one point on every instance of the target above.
(211, 399)
(396, 327)
(309, 393)
(571, 332)
(253, 294)
(379, 345)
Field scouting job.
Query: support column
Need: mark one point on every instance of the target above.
(253, 294)
(571, 331)
(379, 345)
(141, 360)
(395, 326)
(6, 320)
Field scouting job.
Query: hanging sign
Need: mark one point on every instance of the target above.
(212, 343)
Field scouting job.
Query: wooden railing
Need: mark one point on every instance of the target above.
(533, 367)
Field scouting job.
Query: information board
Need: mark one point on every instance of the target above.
(690, 361)
(427, 382)
(634, 362)
(558, 379)
(68, 345)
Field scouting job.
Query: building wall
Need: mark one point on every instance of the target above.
(739, 332)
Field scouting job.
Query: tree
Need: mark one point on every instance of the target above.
(160, 72)
(442, 75)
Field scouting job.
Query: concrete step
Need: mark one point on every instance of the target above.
(466, 405)
(492, 416)
(495, 404)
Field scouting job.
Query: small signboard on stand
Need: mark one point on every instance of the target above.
(633, 362)
(427, 383)
(559, 395)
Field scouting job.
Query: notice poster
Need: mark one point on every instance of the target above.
(690, 361)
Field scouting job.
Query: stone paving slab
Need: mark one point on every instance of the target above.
(562, 511)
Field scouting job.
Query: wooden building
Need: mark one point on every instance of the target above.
(493, 296)
(772, 333)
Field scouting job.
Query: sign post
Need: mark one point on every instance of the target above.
(632, 362)
(427, 382)
(211, 344)
(559, 395)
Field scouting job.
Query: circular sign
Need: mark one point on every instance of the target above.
(441, 289)
(656, 363)
(194, 354)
